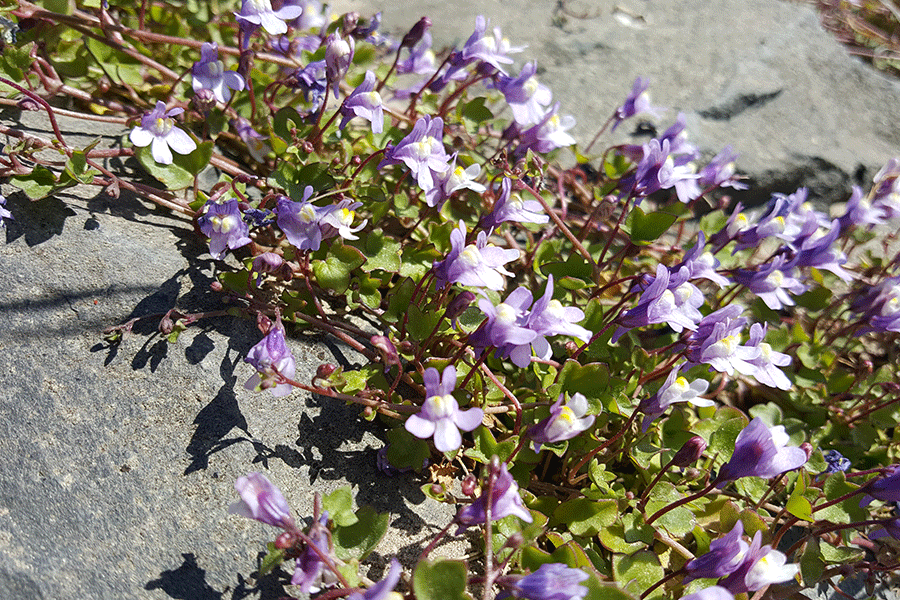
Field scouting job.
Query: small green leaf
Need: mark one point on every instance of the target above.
(197, 160)
(605, 591)
(381, 253)
(359, 539)
(405, 451)
(591, 379)
(811, 563)
(271, 560)
(476, 111)
(173, 176)
(339, 505)
(797, 503)
(40, 183)
(420, 324)
(645, 228)
(442, 580)
(638, 572)
(843, 554)
(584, 517)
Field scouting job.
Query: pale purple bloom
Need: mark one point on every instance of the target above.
(209, 74)
(659, 170)
(381, 590)
(452, 180)
(420, 60)
(511, 207)
(337, 219)
(761, 566)
(364, 102)
(547, 317)
(157, 130)
(338, 55)
(504, 500)
(701, 264)
(489, 49)
(271, 357)
(505, 325)
(312, 82)
(4, 213)
(719, 172)
(886, 188)
(527, 98)
(818, 250)
(312, 17)
(637, 102)
(553, 581)
(260, 12)
(221, 222)
(768, 361)
(772, 282)
(761, 451)
(564, 423)
(422, 151)
(479, 264)
(550, 133)
(889, 528)
(668, 299)
(261, 501)
(717, 342)
(713, 592)
(879, 306)
(724, 557)
(861, 212)
(255, 141)
(300, 220)
(310, 572)
(674, 390)
(440, 415)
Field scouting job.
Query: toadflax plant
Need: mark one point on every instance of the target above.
(624, 399)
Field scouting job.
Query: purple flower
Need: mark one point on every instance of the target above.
(835, 462)
(221, 222)
(4, 214)
(491, 50)
(271, 357)
(719, 172)
(505, 324)
(887, 487)
(157, 130)
(479, 264)
(861, 212)
(338, 55)
(701, 264)
(672, 301)
(717, 343)
(713, 592)
(761, 451)
(312, 82)
(879, 306)
(761, 566)
(509, 207)
(772, 282)
(364, 102)
(300, 221)
(337, 219)
(768, 361)
(504, 500)
(527, 98)
(310, 572)
(422, 151)
(381, 590)
(260, 12)
(817, 250)
(724, 557)
(210, 74)
(547, 317)
(674, 390)
(637, 102)
(549, 134)
(564, 423)
(261, 501)
(554, 581)
(660, 169)
(452, 180)
(440, 415)
(254, 140)
(889, 528)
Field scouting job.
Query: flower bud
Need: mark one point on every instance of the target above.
(325, 370)
(469, 485)
(286, 540)
(807, 447)
(386, 348)
(338, 54)
(689, 453)
(203, 101)
(415, 34)
(166, 325)
(215, 286)
(459, 304)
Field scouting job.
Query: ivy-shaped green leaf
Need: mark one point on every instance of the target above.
(442, 580)
(339, 505)
(359, 539)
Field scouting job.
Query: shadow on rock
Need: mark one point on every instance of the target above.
(37, 220)
(268, 587)
(187, 582)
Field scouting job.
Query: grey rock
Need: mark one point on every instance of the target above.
(117, 463)
(762, 76)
